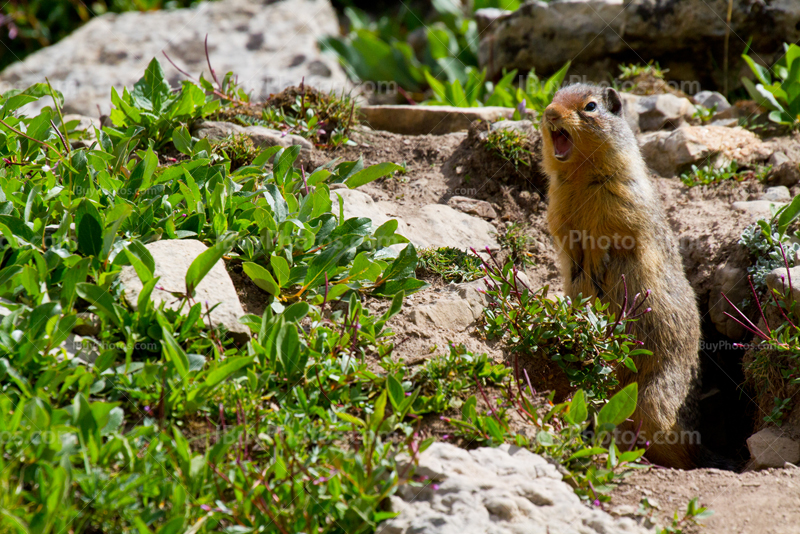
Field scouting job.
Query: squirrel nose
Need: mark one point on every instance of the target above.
(551, 114)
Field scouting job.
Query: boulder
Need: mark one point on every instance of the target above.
(757, 209)
(770, 447)
(709, 99)
(784, 170)
(266, 44)
(731, 279)
(500, 490)
(423, 120)
(473, 206)
(434, 225)
(778, 193)
(671, 153)
(684, 36)
(662, 112)
(173, 258)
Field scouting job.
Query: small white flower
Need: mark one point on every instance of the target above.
(46, 168)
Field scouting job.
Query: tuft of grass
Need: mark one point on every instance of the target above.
(511, 145)
(452, 264)
(238, 149)
(324, 119)
(631, 71)
(709, 175)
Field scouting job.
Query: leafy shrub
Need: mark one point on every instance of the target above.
(511, 145)
(708, 174)
(582, 338)
(517, 241)
(170, 423)
(323, 118)
(452, 264)
(780, 96)
(764, 240)
(535, 95)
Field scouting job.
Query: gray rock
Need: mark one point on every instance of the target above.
(663, 112)
(784, 171)
(501, 490)
(523, 126)
(267, 44)
(434, 225)
(730, 279)
(778, 193)
(630, 111)
(671, 153)
(597, 35)
(708, 99)
(757, 209)
(772, 448)
(487, 16)
(423, 120)
(262, 137)
(725, 123)
(173, 258)
(778, 279)
(473, 206)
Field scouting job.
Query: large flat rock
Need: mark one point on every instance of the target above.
(424, 120)
(434, 225)
(501, 490)
(269, 45)
(173, 258)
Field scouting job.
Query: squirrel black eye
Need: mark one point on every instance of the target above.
(591, 106)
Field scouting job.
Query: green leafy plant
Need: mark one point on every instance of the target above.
(516, 239)
(581, 337)
(631, 71)
(708, 174)
(511, 145)
(779, 95)
(452, 264)
(765, 239)
(704, 114)
(691, 517)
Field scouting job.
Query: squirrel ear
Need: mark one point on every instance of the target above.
(613, 101)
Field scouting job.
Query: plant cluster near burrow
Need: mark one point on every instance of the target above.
(510, 145)
(452, 264)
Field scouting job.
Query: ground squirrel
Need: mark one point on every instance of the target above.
(606, 220)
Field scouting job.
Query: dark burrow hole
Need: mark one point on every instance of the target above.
(727, 407)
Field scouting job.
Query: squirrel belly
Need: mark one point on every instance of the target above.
(606, 221)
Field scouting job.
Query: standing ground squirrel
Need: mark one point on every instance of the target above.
(607, 221)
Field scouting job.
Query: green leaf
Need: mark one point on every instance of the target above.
(371, 173)
(378, 413)
(347, 418)
(182, 140)
(100, 299)
(619, 407)
(577, 411)
(396, 393)
(90, 236)
(173, 352)
(262, 278)
(224, 371)
(281, 269)
(203, 263)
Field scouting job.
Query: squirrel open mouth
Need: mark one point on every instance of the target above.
(562, 143)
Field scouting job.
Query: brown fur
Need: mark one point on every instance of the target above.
(603, 189)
